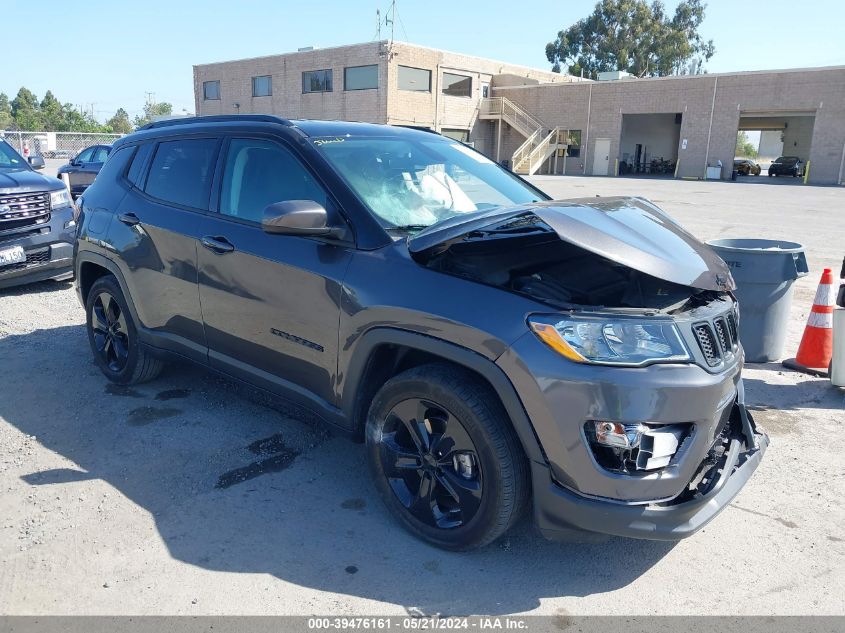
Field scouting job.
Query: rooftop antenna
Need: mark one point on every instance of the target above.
(378, 25)
(392, 19)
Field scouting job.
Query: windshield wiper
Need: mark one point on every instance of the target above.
(407, 227)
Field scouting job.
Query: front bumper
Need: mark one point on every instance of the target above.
(49, 254)
(557, 510)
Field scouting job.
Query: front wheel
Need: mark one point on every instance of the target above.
(114, 337)
(445, 458)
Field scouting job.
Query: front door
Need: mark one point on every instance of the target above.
(601, 156)
(270, 303)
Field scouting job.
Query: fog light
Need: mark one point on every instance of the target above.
(634, 446)
(617, 435)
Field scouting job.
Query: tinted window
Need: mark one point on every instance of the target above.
(360, 77)
(116, 164)
(100, 155)
(317, 81)
(9, 158)
(181, 172)
(85, 155)
(457, 85)
(262, 86)
(417, 79)
(211, 90)
(259, 173)
(136, 169)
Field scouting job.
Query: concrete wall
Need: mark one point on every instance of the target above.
(771, 145)
(815, 91)
(287, 99)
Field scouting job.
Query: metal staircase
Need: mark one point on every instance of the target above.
(540, 141)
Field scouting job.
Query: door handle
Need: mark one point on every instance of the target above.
(217, 244)
(130, 219)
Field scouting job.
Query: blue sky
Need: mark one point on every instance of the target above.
(109, 53)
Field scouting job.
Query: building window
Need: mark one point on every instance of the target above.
(317, 81)
(360, 77)
(574, 149)
(456, 133)
(262, 86)
(485, 91)
(211, 90)
(457, 85)
(416, 79)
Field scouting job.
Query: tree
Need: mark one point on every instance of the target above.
(744, 147)
(153, 110)
(6, 120)
(25, 110)
(119, 123)
(634, 36)
(51, 113)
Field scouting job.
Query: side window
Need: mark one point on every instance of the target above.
(136, 169)
(181, 172)
(258, 173)
(85, 155)
(116, 164)
(100, 155)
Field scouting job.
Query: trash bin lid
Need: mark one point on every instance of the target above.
(762, 261)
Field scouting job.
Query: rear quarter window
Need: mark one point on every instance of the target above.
(136, 170)
(116, 164)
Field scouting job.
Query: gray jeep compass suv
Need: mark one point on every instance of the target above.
(494, 349)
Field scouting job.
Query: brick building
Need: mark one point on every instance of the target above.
(539, 121)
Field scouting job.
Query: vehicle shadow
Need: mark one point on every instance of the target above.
(38, 287)
(234, 484)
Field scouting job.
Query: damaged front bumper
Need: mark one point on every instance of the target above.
(558, 510)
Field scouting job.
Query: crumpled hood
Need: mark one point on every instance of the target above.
(629, 231)
(25, 180)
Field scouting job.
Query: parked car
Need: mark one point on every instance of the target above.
(492, 347)
(37, 222)
(787, 166)
(746, 167)
(83, 168)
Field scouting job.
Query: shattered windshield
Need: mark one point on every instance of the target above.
(413, 183)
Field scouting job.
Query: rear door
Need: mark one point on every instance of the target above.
(155, 232)
(270, 303)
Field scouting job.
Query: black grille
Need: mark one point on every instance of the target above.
(707, 342)
(723, 334)
(33, 258)
(732, 327)
(22, 210)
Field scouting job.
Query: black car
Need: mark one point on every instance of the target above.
(84, 167)
(37, 222)
(493, 348)
(787, 166)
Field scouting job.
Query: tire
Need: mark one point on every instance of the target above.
(113, 336)
(460, 497)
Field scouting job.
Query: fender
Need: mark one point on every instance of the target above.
(160, 343)
(463, 356)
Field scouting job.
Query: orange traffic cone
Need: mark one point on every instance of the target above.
(816, 348)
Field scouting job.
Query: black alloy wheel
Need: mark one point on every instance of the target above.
(110, 331)
(431, 463)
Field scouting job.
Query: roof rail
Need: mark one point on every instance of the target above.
(265, 118)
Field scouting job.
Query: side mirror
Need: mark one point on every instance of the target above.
(36, 162)
(298, 217)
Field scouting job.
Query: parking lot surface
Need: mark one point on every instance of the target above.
(192, 495)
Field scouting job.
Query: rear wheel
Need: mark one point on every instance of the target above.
(114, 337)
(445, 458)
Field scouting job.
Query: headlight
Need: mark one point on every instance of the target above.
(611, 340)
(60, 198)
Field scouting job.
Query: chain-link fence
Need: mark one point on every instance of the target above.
(55, 144)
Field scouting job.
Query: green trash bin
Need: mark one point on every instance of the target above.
(764, 271)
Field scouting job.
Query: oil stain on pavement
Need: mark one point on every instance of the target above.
(172, 394)
(122, 390)
(280, 458)
(143, 416)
